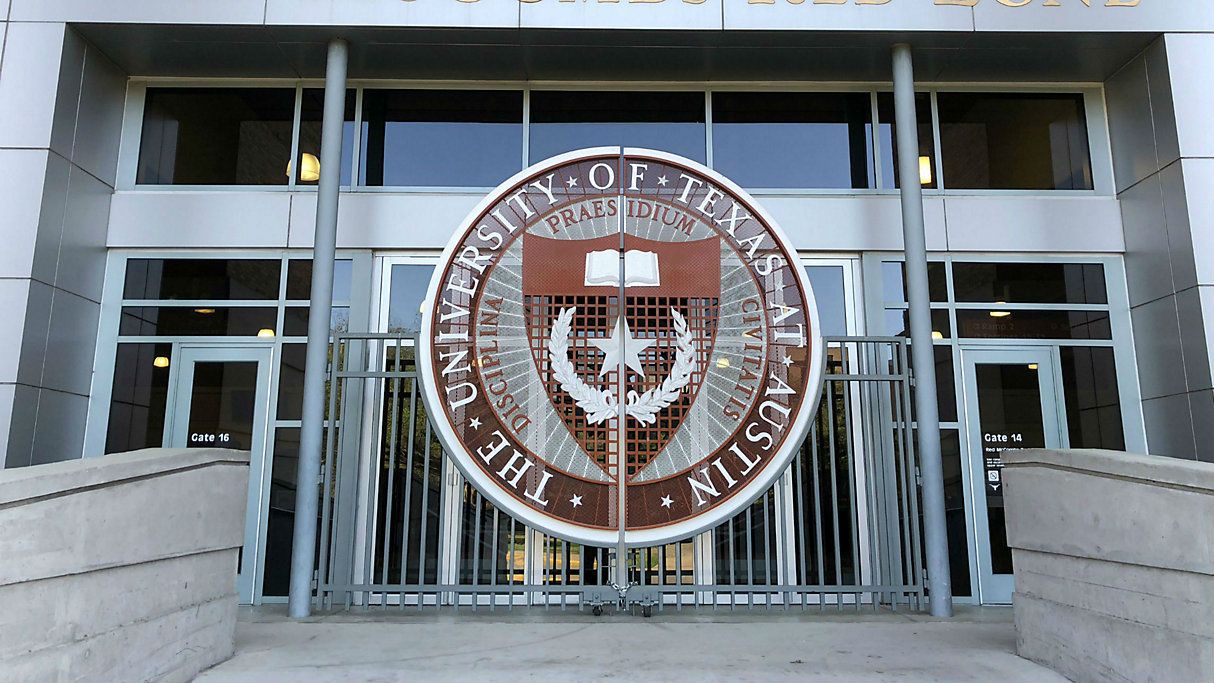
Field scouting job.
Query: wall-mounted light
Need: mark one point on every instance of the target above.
(925, 170)
(265, 333)
(160, 362)
(309, 168)
(204, 311)
(1032, 366)
(937, 334)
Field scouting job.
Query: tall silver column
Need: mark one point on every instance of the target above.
(307, 478)
(922, 356)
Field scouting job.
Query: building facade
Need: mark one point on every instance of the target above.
(161, 160)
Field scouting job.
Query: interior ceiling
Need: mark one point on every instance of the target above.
(617, 55)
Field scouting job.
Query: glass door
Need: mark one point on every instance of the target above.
(1010, 404)
(221, 400)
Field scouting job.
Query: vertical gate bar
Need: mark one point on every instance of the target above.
(549, 564)
(834, 497)
(493, 562)
(567, 570)
(801, 550)
(410, 437)
(819, 546)
(425, 521)
(898, 418)
(767, 543)
(916, 577)
(329, 464)
(750, 556)
(869, 409)
(375, 466)
(678, 572)
(904, 421)
(662, 564)
(851, 490)
(733, 581)
(476, 549)
(905, 477)
(510, 564)
(393, 420)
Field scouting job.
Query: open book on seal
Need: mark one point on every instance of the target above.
(640, 269)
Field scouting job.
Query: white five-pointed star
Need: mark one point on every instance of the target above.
(575, 501)
(571, 181)
(475, 423)
(786, 360)
(666, 501)
(662, 181)
(632, 349)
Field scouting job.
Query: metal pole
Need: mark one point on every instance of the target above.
(307, 479)
(922, 356)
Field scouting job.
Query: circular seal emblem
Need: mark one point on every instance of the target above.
(620, 341)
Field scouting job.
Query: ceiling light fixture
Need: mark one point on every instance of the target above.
(925, 170)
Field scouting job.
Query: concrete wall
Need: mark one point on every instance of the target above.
(1114, 561)
(120, 568)
(61, 106)
(1163, 155)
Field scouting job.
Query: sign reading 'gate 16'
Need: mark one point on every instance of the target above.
(620, 317)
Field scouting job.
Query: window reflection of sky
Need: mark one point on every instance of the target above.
(784, 155)
(827, 283)
(684, 139)
(408, 288)
(449, 154)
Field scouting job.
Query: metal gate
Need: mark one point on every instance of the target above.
(400, 528)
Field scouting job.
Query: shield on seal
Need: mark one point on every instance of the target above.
(665, 337)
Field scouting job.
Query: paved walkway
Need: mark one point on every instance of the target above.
(574, 646)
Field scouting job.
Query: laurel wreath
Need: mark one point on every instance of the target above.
(600, 404)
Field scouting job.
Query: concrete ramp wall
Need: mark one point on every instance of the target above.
(1114, 562)
(121, 568)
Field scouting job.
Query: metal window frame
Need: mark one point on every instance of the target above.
(1122, 343)
(1099, 145)
(108, 339)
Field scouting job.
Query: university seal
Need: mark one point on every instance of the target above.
(620, 341)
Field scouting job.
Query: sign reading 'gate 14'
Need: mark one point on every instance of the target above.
(620, 317)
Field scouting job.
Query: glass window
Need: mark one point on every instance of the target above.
(409, 284)
(295, 320)
(946, 386)
(1093, 404)
(280, 523)
(137, 402)
(1020, 324)
(1014, 141)
(897, 323)
(290, 381)
(1036, 283)
(201, 279)
(440, 138)
(889, 140)
(216, 136)
(827, 283)
(954, 511)
(667, 121)
(299, 279)
(793, 139)
(893, 281)
(311, 114)
(198, 321)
